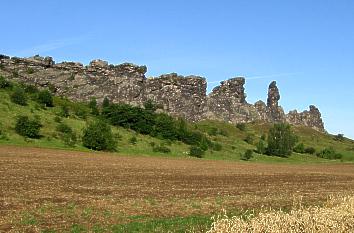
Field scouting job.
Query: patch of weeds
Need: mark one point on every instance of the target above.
(86, 213)
(28, 219)
(98, 229)
(48, 231)
(151, 201)
(76, 228)
(30, 70)
(161, 148)
(196, 205)
(178, 224)
(107, 214)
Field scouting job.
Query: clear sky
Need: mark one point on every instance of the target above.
(306, 46)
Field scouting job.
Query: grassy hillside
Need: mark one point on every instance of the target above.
(230, 137)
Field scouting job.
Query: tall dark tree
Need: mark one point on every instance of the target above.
(93, 106)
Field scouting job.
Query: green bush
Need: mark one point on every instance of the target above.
(310, 150)
(27, 127)
(98, 136)
(261, 147)
(249, 139)
(247, 155)
(67, 135)
(133, 140)
(58, 119)
(281, 140)
(19, 97)
(2, 132)
(329, 153)
(4, 83)
(64, 111)
(105, 103)
(213, 131)
(81, 111)
(161, 149)
(241, 126)
(150, 106)
(45, 98)
(29, 88)
(152, 144)
(63, 128)
(196, 151)
(299, 148)
(339, 137)
(215, 146)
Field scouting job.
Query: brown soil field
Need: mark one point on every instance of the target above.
(57, 188)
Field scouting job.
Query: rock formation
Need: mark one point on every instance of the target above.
(177, 95)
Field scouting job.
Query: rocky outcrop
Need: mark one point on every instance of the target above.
(311, 118)
(227, 102)
(274, 111)
(177, 95)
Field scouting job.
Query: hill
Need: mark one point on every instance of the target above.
(226, 141)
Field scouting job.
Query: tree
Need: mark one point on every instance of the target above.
(93, 106)
(45, 97)
(98, 136)
(281, 140)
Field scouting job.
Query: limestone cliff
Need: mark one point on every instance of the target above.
(177, 95)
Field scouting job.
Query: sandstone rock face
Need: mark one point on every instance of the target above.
(274, 111)
(262, 110)
(180, 96)
(177, 95)
(227, 102)
(311, 118)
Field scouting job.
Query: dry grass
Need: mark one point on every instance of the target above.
(337, 215)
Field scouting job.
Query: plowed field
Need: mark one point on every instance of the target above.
(45, 188)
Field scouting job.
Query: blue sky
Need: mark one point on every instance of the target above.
(307, 46)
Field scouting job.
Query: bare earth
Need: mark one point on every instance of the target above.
(56, 188)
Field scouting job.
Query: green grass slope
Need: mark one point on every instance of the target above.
(231, 138)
